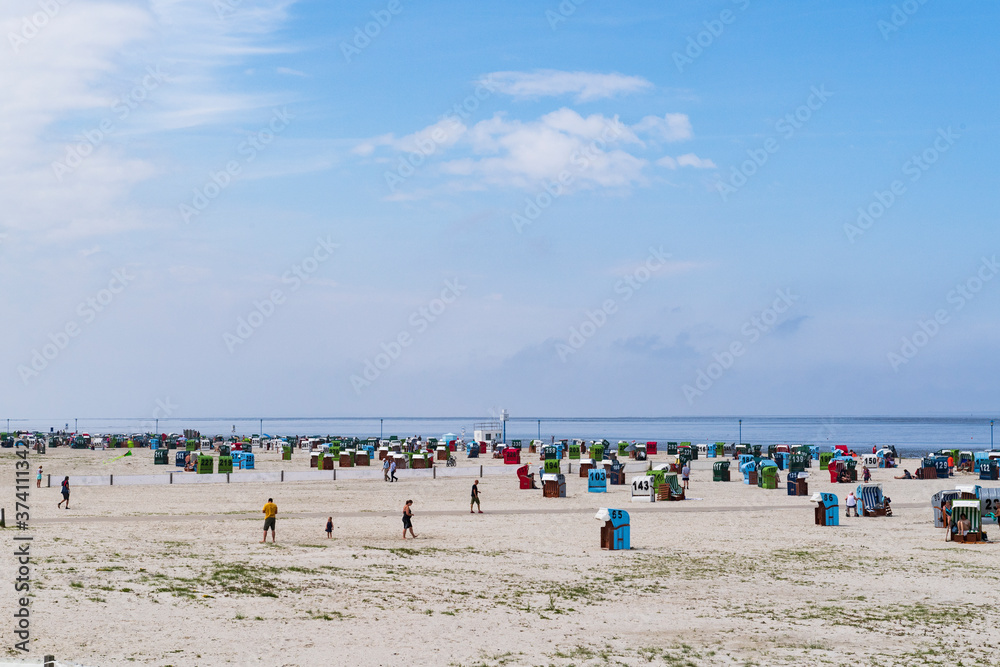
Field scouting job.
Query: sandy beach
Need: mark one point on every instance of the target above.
(176, 575)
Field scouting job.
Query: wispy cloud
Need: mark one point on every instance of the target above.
(686, 160)
(597, 150)
(586, 86)
(70, 79)
(671, 127)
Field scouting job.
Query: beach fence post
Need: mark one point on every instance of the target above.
(48, 480)
(111, 480)
(3, 517)
(480, 469)
(49, 661)
(282, 475)
(171, 478)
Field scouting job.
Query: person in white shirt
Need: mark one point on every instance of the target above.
(852, 504)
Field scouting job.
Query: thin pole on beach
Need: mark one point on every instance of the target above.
(380, 429)
(157, 426)
(76, 425)
(539, 429)
(741, 431)
(991, 431)
(262, 428)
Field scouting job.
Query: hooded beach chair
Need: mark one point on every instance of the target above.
(553, 486)
(941, 467)
(597, 481)
(670, 489)
(970, 510)
(940, 501)
(985, 467)
(827, 509)
(615, 531)
(989, 502)
(870, 500)
(644, 488)
(720, 471)
(615, 473)
(526, 479)
(767, 474)
(597, 452)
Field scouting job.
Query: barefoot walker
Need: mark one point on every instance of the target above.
(407, 519)
(270, 514)
(65, 493)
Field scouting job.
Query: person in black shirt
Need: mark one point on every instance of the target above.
(475, 497)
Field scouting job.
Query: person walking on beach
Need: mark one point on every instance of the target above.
(392, 471)
(270, 517)
(385, 468)
(65, 493)
(475, 498)
(38, 479)
(686, 473)
(408, 519)
(329, 527)
(852, 504)
(866, 474)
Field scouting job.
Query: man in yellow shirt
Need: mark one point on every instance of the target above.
(270, 512)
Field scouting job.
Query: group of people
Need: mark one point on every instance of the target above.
(389, 469)
(270, 512)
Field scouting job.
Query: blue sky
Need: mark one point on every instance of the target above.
(589, 209)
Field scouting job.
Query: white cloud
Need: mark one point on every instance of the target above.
(523, 153)
(692, 160)
(586, 86)
(686, 160)
(672, 127)
(289, 71)
(594, 150)
(428, 141)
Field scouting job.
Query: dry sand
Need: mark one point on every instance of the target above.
(736, 575)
